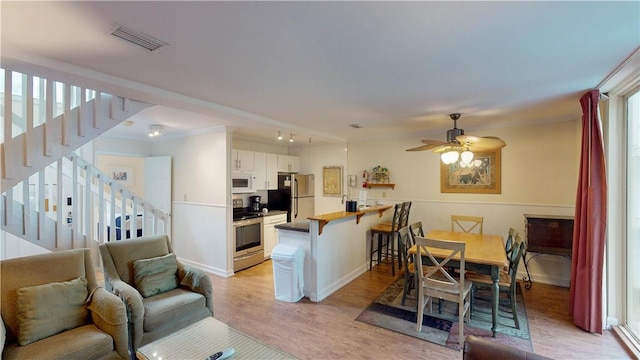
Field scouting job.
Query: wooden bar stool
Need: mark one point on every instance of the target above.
(385, 231)
(402, 222)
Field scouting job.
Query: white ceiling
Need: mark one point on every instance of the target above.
(313, 68)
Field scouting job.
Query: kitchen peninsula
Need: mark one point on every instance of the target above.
(335, 247)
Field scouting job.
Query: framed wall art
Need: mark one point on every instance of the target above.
(332, 180)
(482, 177)
(122, 174)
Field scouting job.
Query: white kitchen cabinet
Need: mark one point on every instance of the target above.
(287, 163)
(242, 160)
(272, 172)
(266, 172)
(271, 233)
(260, 182)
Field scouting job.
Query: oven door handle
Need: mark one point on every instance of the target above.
(246, 256)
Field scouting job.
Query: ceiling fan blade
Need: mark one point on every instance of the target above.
(428, 145)
(446, 147)
(434, 142)
(486, 143)
(422, 148)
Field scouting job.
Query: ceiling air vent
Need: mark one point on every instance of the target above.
(135, 37)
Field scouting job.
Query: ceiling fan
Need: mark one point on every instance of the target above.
(457, 143)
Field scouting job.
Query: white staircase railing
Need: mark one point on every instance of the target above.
(64, 203)
(72, 204)
(44, 120)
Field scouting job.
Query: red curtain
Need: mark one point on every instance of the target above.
(590, 222)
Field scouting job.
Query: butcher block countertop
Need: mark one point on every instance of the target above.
(326, 218)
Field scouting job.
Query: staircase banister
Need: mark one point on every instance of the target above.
(115, 186)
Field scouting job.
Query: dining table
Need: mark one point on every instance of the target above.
(484, 254)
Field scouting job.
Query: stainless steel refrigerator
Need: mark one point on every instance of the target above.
(295, 195)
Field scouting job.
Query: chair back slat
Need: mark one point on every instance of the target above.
(404, 243)
(467, 223)
(416, 230)
(404, 214)
(515, 256)
(395, 222)
(437, 275)
(508, 245)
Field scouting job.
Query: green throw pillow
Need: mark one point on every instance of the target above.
(48, 309)
(156, 275)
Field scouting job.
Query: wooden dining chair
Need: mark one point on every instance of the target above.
(404, 244)
(403, 222)
(436, 282)
(508, 245)
(467, 224)
(508, 281)
(416, 230)
(385, 233)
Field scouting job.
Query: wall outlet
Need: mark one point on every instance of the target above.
(384, 194)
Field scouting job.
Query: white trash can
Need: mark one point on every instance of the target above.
(288, 272)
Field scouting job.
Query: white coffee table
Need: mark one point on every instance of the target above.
(204, 338)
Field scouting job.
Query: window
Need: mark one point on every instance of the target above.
(633, 216)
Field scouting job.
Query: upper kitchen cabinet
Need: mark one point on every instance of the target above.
(266, 171)
(288, 163)
(242, 160)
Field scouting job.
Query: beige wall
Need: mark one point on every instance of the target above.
(539, 166)
(201, 219)
(199, 167)
(313, 159)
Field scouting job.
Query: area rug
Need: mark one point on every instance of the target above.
(441, 328)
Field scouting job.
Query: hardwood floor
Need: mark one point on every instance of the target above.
(328, 329)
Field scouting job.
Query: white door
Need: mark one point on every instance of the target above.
(157, 182)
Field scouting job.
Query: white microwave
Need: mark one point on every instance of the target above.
(242, 183)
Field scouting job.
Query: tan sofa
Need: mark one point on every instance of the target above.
(52, 307)
(158, 315)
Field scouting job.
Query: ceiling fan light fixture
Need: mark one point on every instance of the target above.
(155, 130)
(466, 156)
(450, 157)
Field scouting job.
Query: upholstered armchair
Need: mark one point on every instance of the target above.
(162, 295)
(52, 307)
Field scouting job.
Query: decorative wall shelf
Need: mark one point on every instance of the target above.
(387, 185)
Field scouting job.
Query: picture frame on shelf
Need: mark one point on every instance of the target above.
(484, 177)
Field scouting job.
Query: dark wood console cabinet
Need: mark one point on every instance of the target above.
(549, 234)
(546, 234)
